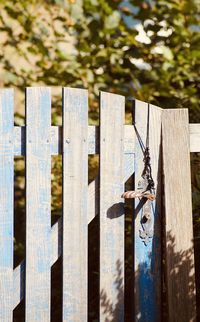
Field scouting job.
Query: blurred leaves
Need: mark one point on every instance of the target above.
(68, 42)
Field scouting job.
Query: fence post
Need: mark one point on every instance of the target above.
(147, 258)
(180, 276)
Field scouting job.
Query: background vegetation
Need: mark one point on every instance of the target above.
(146, 49)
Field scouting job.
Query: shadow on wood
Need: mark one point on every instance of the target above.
(117, 210)
(184, 291)
(114, 313)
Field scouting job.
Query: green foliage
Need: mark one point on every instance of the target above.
(169, 76)
(97, 44)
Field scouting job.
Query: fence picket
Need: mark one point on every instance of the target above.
(38, 204)
(112, 110)
(148, 257)
(75, 192)
(6, 204)
(178, 220)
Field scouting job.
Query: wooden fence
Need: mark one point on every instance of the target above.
(171, 139)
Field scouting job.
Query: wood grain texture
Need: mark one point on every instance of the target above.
(194, 130)
(75, 193)
(6, 203)
(112, 109)
(38, 204)
(178, 216)
(148, 258)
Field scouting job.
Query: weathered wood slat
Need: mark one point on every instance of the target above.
(180, 276)
(112, 110)
(75, 194)
(194, 133)
(38, 204)
(148, 257)
(6, 203)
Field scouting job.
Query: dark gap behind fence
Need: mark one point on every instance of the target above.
(93, 247)
(19, 210)
(129, 231)
(163, 236)
(195, 178)
(56, 207)
(56, 213)
(129, 255)
(93, 229)
(19, 225)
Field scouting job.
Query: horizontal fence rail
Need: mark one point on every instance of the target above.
(93, 139)
(119, 159)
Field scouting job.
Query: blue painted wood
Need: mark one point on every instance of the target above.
(38, 204)
(75, 194)
(112, 110)
(148, 258)
(6, 203)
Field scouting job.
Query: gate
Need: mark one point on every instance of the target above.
(167, 238)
